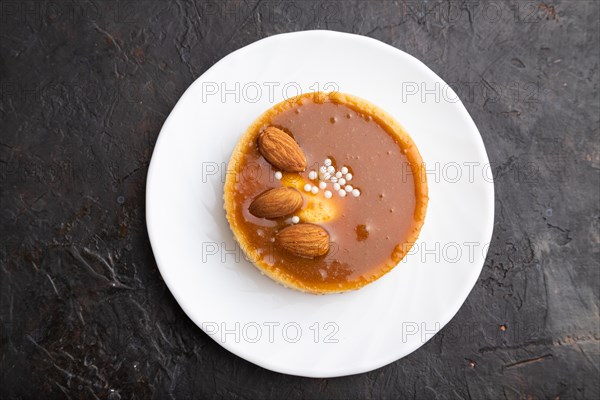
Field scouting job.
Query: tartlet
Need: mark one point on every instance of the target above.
(325, 192)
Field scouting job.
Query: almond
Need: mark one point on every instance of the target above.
(275, 203)
(304, 240)
(281, 150)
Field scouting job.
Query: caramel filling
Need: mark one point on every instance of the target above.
(368, 232)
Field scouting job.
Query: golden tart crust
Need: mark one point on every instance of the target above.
(247, 142)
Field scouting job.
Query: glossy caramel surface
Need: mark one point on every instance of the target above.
(368, 232)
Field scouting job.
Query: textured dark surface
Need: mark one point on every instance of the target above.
(85, 90)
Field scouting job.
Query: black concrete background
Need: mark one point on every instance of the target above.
(86, 87)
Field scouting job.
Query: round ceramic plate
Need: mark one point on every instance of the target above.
(252, 316)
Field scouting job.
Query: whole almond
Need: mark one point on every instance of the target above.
(281, 150)
(275, 203)
(304, 240)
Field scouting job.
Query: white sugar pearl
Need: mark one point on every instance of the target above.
(322, 185)
(295, 219)
(327, 162)
(331, 169)
(342, 193)
(323, 170)
(314, 190)
(348, 177)
(356, 193)
(338, 174)
(312, 175)
(333, 179)
(328, 194)
(307, 187)
(336, 186)
(342, 181)
(278, 175)
(348, 188)
(327, 176)
(344, 170)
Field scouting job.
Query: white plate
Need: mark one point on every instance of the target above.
(246, 312)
